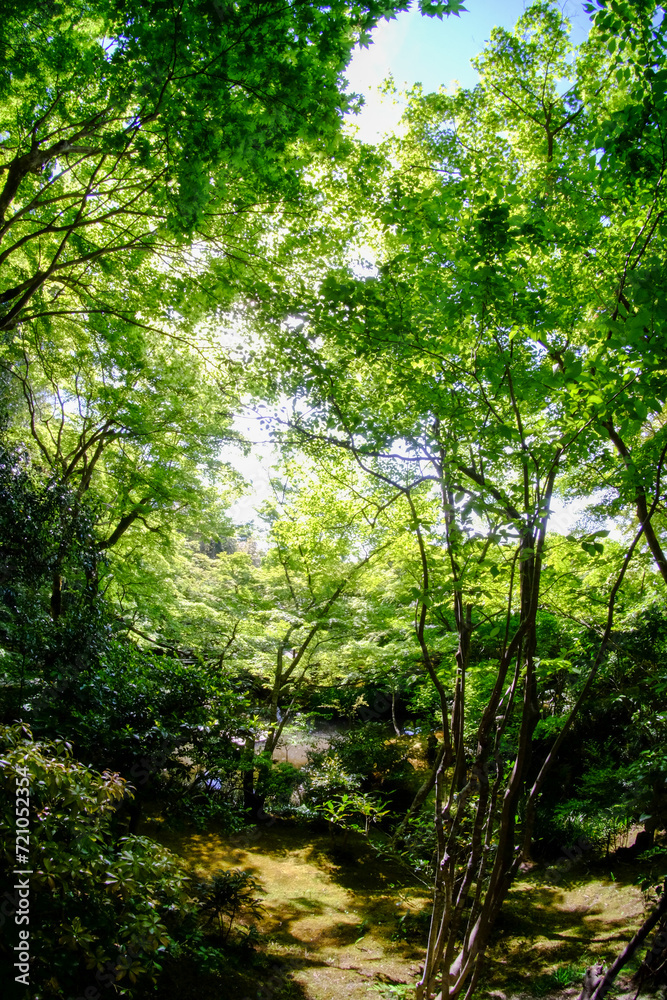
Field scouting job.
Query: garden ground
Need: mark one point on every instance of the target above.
(341, 922)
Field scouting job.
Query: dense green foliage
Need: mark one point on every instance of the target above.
(447, 337)
(86, 915)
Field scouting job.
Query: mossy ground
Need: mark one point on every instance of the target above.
(335, 921)
(552, 927)
(333, 910)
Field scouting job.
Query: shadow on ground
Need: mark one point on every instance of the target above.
(547, 931)
(335, 919)
(333, 911)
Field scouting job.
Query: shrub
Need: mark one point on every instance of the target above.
(367, 751)
(277, 780)
(101, 911)
(417, 847)
(325, 778)
(228, 894)
(353, 812)
(204, 807)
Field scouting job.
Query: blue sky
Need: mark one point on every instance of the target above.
(413, 48)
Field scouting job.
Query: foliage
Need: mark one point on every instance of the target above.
(563, 977)
(48, 562)
(341, 812)
(388, 991)
(202, 808)
(146, 159)
(278, 781)
(117, 908)
(417, 847)
(611, 768)
(136, 713)
(228, 894)
(503, 349)
(173, 176)
(138, 428)
(134, 135)
(326, 537)
(196, 596)
(172, 729)
(325, 778)
(368, 751)
(44, 524)
(413, 926)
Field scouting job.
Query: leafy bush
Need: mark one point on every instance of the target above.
(325, 778)
(611, 771)
(200, 809)
(49, 561)
(167, 727)
(277, 780)
(423, 705)
(367, 751)
(228, 894)
(100, 910)
(353, 812)
(609, 796)
(417, 848)
(130, 700)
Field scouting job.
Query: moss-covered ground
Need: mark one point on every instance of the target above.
(340, 922)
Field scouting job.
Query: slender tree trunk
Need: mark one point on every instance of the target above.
(56, 603)
(249, 803)
(422, 794)
(473, 878)
(393, 714)
(644, 515)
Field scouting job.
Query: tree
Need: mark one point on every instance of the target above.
(100, 909)
(141, 152)
(146, 156)
(324, 534)
(131, 134)
(138, 425)
(48, 535)
(44, 525)
(508, 320)
(323, 537)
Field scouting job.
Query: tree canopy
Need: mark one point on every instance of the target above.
(448, 337)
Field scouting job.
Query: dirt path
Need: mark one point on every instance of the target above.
(294, 745)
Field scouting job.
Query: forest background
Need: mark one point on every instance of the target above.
(444, 335)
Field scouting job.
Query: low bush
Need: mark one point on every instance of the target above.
(103, 911)
(369, 752)
(226, 895)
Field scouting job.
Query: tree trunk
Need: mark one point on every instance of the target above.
(249, 775)
(422, 794)
(475, 811)
(592, 978)
(56, 603)
(393, 714)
